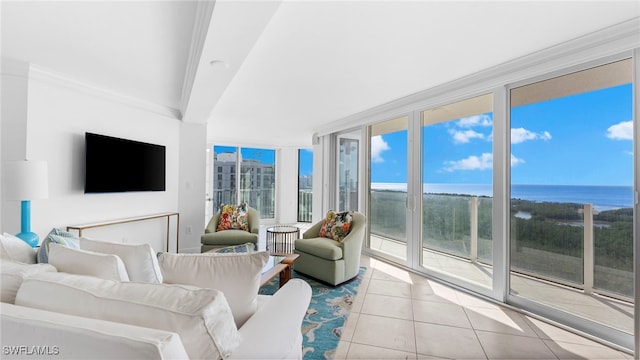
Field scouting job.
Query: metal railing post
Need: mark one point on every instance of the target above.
(473, 204)
(588, 249)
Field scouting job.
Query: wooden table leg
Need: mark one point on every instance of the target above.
(285, 275)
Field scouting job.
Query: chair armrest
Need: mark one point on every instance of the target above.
(313, 231)
(254, 221)
(282, 315)
(213, 223)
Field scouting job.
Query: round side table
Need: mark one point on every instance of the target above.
(280, 238)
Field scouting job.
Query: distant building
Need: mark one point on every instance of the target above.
(305, 182)
(257, 183)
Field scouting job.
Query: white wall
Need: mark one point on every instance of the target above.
(59, 112)
(191, 189)
(13, 127)
(287, 185)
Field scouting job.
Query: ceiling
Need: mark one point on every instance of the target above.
(271, 73)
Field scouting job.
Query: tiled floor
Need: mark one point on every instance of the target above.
(401, 315)
(617, 314)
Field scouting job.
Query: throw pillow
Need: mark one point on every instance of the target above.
(56, 236)
(244, 248)
(233, 218)
(12, 274)
(336, 225)
(140, 260)
(82, 262)
(201, 317)
(14, 248)
(236, 275)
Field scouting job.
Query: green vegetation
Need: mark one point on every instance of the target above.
(547, 238)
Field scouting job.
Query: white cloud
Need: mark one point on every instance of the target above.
(378, 145)
(515, 161)
(463, 137)
(621, 131)
(520, 135)
(475, 120)
(482, 162)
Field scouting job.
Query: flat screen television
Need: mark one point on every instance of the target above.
(119, 165)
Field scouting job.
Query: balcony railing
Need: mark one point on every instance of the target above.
(305, 197)
(569, 244)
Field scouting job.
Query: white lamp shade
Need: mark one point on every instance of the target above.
(25, 180)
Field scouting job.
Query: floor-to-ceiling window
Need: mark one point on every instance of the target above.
(526, 191)
(305, 185)
(457, 166)
(571, 209)
(244, 175)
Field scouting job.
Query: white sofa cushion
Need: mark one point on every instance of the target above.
(236, 275)
(201, 317)
(13, 273)
(72, 337)
(140, 260)
(15, 249)
(82, 262)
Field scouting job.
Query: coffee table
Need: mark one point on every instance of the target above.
(279, 264)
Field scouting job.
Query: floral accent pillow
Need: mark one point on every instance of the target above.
(336, 225)
(233, 218)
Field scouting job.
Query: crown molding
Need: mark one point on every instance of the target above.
(13, 67)
(204, 12)
(607, 42)
(39, 73)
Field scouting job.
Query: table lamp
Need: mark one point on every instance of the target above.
(25, 181)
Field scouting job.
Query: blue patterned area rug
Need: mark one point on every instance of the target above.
(328, 310)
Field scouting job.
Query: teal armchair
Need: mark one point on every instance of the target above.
(212, 239)
(328, 260)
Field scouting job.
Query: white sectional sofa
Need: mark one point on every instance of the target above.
(74, 316)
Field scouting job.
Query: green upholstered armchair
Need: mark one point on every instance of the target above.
(213, 239)
(328, 260)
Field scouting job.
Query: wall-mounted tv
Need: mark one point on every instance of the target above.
(117, 165)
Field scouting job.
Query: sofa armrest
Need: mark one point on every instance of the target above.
(282, 315)
(67, 336)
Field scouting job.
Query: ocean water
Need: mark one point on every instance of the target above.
(601, 197)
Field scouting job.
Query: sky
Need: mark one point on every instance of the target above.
(267, 156)
(584, 139)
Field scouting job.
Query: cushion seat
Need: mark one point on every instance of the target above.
(229, 237)
(324, 248)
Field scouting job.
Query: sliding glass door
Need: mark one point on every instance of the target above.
(348, 173)
(388, 143)
(457, 198)
(523, 193)
(571, 236)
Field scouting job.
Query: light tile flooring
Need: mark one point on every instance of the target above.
(401, 315)
(398, 314)
(608, 311)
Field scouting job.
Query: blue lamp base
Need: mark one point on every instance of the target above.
(25, 225)
(30, 238)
